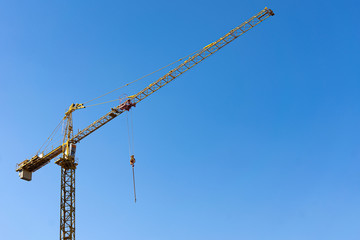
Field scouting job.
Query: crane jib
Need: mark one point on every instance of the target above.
(28, 166)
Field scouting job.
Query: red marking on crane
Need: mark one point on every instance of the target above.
(127, 105)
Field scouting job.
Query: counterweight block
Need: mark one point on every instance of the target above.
(25, 175)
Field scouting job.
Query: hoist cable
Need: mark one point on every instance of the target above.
(46, 147)
(133, 171)
(127, 124)
(102, 103)
(132, 132)
(131, 147)
(47, 140)
(141, 78)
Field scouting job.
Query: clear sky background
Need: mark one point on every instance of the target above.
(258, 142)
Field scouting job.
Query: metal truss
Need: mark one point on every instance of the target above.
(67, 204)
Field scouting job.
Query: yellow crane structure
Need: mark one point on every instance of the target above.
(67, 149)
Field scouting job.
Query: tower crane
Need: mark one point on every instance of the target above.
(67, 149)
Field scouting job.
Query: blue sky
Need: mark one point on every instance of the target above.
(260, 141)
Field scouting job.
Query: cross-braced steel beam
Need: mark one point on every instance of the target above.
(67, 205)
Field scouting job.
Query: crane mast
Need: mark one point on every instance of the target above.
(68, 165)
(67, 160)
